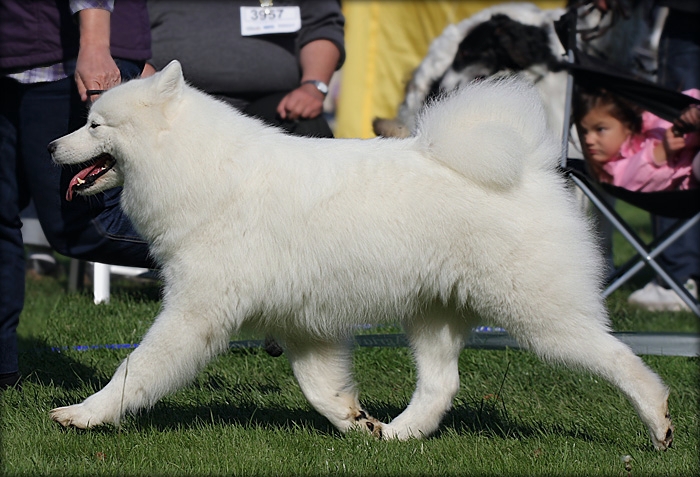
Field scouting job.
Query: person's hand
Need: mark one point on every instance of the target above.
(304, 102)
(95, 70)
(672, 143)
(318, 60)
(690, 119)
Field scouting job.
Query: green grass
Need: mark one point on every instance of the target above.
(245, 415)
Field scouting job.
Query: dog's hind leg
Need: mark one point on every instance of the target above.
(323, 371)
(175, 348)
(437, 340)
(585, 344)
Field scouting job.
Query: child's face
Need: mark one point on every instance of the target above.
(603, 134)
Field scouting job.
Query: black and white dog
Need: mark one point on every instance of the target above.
(509, 38)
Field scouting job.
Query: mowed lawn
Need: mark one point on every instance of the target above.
(245, 415)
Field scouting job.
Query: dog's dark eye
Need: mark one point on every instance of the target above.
(94, 125)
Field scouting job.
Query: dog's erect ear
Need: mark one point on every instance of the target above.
(170, 82)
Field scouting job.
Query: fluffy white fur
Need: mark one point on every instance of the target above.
(306, 238)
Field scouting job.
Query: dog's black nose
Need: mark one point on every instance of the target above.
(51, 147)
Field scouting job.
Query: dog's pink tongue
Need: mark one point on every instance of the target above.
(79, 178)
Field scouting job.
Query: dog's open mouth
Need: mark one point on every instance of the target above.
(87, 177)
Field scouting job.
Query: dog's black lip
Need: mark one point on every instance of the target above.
(90, 179)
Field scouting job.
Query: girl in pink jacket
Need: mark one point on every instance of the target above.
(638, 151)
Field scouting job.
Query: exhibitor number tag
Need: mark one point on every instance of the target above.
(269, 20)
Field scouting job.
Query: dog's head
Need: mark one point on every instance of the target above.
(500, 45)
(109, 141)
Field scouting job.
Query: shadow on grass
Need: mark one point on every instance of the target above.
(168, 416)
(489, 419)
(40, 362)
(41, 365)
(463, 421)
(216, 400)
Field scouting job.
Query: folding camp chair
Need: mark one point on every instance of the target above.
(684, 205)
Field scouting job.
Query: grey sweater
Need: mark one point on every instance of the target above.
(205, 36)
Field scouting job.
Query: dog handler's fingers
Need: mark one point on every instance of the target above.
(306, 106)
(89, 94)
(282, 108)
(88, 89)
(312, 109)
(95, 70)
(292, 115)
(287, 109)
(82, 90)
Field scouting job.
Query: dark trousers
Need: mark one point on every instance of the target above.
(679, 69)
(93, 228)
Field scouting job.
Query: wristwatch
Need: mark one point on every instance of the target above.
(320, 85)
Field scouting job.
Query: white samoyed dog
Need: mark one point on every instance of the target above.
(304, 239)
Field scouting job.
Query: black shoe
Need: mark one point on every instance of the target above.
(10, 380)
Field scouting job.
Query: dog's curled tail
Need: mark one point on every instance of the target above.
(491, 132)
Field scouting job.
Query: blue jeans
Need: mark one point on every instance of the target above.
(93, 228)
(679, 69)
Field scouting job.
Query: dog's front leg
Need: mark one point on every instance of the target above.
(323, 371)
(175, 348)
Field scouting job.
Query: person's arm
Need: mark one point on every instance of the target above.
(641, 171)
(95, 68)
(318, 60)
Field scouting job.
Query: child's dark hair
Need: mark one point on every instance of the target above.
(625, 112)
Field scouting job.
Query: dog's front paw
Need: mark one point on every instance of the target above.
(392, 433)
(401, 432)
(76, 416)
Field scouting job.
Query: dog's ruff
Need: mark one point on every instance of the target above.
(304, 239)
